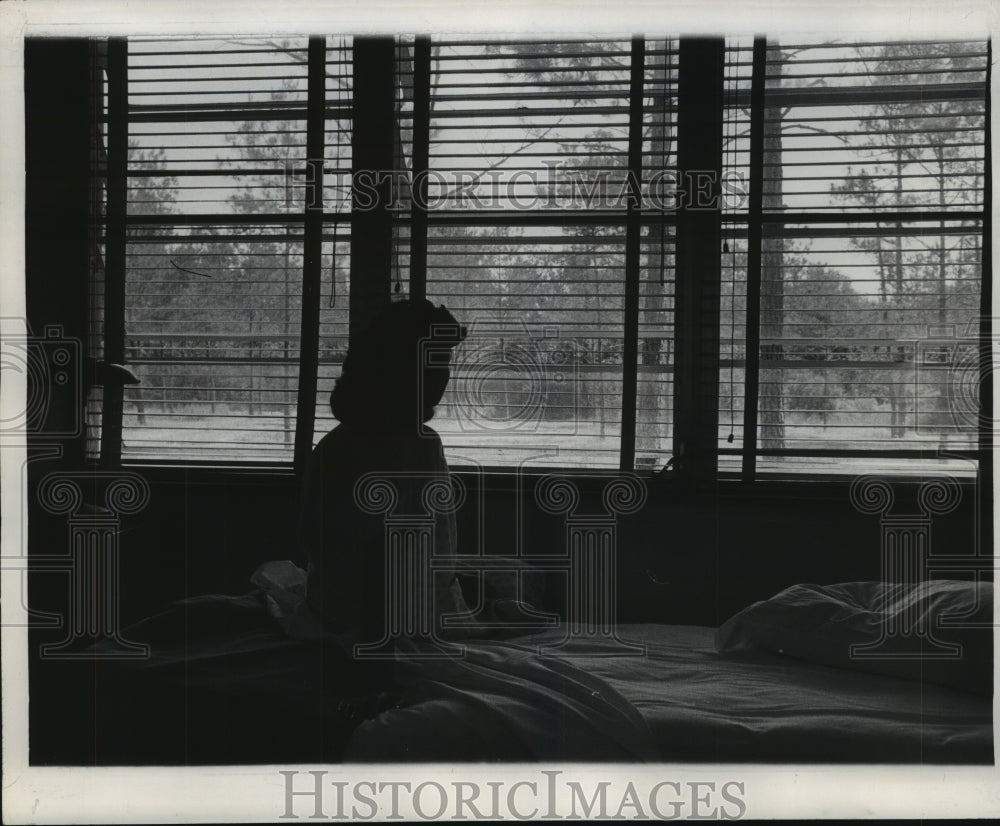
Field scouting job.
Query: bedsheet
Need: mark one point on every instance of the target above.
(502, 701)
(681, 701)
(701, 705)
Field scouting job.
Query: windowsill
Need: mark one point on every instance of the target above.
(769, 487)
(188, 473)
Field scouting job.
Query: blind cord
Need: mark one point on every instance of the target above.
(665, 81)
(340, 77)
(730, 158)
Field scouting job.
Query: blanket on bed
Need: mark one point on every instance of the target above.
(502, 701)
(267, 676)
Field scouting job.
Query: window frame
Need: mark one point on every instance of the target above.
(697, 407)
(761, 220)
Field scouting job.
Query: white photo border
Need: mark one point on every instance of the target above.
(34, 794)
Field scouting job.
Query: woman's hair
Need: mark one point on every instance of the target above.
(397, 369)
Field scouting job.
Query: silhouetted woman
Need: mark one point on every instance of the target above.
(394, 374)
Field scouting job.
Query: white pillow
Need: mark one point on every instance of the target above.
(821, 623)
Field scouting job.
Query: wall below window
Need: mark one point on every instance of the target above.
(680, 560)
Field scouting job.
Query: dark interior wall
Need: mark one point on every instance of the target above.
(57, 157)
(681, 560)
(57, 205)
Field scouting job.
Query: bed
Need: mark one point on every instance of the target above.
(244, 690)
(683, 701)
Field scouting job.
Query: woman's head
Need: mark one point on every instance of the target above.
(397, 369)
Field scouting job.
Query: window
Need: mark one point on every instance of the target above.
(871, 203)
(216, 166)
(527, 175)
(542, 190)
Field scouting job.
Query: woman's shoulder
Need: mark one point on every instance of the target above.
(345, 433)
(385, 446)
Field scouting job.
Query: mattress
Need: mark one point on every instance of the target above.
(702, 706)
(518, 700)
(680, 701)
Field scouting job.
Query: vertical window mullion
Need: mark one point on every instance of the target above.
(754, 252)
(630, 358)
(421, 156)
(701, 79)
(305, 417)
(373, 119)
(114, 302)
(986, 329)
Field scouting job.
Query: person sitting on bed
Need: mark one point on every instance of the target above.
(383, 400)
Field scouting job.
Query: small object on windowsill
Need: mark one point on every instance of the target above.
(729, 438)
(109, 372)
(663, 470)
